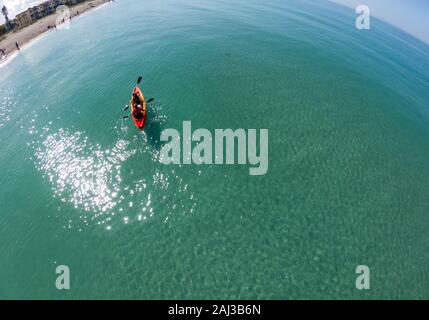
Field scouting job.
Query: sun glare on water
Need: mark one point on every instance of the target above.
(90, 178)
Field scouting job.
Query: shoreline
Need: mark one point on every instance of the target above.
(35, 31)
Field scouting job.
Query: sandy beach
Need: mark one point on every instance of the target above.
(30, 32)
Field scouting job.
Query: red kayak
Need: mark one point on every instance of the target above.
(139, 116)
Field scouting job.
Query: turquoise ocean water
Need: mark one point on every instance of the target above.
(348, 119)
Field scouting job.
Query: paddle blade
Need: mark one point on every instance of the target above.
(126, 107)
(150, 100)
(126, 117)
(139, 80)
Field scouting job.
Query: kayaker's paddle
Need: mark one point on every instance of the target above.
(138, 82)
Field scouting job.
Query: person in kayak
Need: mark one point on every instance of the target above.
(137, 107)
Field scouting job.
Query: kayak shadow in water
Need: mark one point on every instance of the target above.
(154, 127)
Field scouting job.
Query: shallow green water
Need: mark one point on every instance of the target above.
(348, 120)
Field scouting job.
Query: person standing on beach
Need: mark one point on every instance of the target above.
(17, 46)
